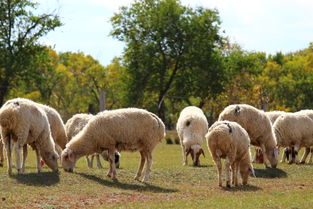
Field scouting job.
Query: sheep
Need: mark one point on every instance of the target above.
(1, 153)
(191, 127)
(294, 130)
(74, 125)
(23, 123)
(258, 126)
(56, 125)
(128, 129)
(307, 149)
(55, 121)
(272, 115)
(228, 140)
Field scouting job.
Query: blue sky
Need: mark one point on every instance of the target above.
(257, 25)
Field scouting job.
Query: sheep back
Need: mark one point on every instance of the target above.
(76, 123)
(254, 121)
(294, 128)
(128, 129)
(192, 126)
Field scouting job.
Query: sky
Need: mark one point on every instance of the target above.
(256, 25)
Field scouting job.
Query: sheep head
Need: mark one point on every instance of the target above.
(51, 159)
(68, 160)
(195, 151)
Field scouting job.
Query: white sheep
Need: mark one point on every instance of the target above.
(307, 149)
(294, 130)
(129, 129)
(258, 126)
(56, 125)
(228, 140)
(55, 121)
(191, 127)
(24, 123)
(74, 125)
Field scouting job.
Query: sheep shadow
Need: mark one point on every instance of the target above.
(270, 173)
(38, 179)
(122, 185)
(242, 188)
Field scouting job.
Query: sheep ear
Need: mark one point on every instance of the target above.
(70, 155)
(202, 152)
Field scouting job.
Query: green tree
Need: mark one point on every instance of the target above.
(20, 29)
(171, 51)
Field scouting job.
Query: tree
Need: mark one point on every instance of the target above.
(171, 51)
(20, 29)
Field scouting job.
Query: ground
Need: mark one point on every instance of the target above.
(171, 185)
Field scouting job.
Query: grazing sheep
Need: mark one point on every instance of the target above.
(129, 129)
(258, 126)
(1, 153)
(55, 121)
(74, 125)
(56, 125)
(23, 123)
(228, 140)
(307, 149)
(191, 127)
(294, 130)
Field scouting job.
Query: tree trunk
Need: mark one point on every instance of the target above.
(161, 111)
(102, 100)
(4, 86)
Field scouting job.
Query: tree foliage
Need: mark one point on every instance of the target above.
(171, 51)
(20, 29)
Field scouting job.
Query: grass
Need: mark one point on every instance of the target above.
(171, 186)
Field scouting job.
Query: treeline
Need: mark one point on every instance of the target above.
(174, 56)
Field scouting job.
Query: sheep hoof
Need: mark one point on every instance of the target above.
(115, 179)
(109, 175)
(20, 171)
(137, 178)
(1, 164)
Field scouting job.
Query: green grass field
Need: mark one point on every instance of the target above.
(171, 186)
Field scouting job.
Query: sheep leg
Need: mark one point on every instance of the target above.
(148, 167)
(24, 157)
(265, 160)
(98, 161)
(89, 164)
(284, 156)
(8, 148)
(305, 155)
(291, 155)
(1, 154)
(297, 148)
(185, 162)
(141, 165)
(311, 156)
(255, 155)
(227, 171)
(218, 163)
(234, 167)
(38, 158)
(18, 149)
(112, 171)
